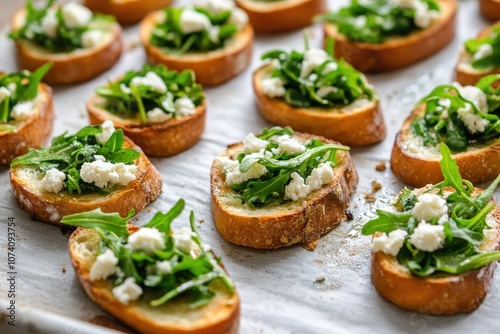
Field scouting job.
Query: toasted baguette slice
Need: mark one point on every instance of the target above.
(440, 294)
(211, 68)
(160, 139)
(32, 132)
(221, 315)
(50, 207)
(71, 67)
(479, 163)
(490, 9)
(352, 126)
(273, 226)
(126, 11)
(397, 52)
(467, 75)
(281, 16)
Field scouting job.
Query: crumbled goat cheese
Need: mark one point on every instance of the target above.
(53, 181)
(91, 38)
(157, 116)
(330, 67)
(126, 173)
(429, 206)
(127, 291)
(427, 237)
(325, 90)
(107, 130)
(22, 110)
(296, 189)
(147, 239)
(164, 267)
(253, 144)
(183, 240)
(75, 15)
(103, 266)
(473, 94)
(273, 87)
(4, 93)
(12, 87)
(483, 51)
(102, 174)
(288, 144)
(323, 174)
(99, 157)
(125, 89)
(226, 164)
(215, 7)
(312, 59)
(389, 244)
(184, 106)
(213, 34)
(192, 21)
(234, 176)
(473, 122)
(239, 18)
(152, 80)
(423, 15)
(50, 24)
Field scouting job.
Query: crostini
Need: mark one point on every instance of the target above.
(435, 250)
(126, 11)
(314, 93)
(214, 39)
(390, 34)
(26, 113)
(95, 168)
(151, 278)
(273, 16)
(490, 9)
(162, 111)
(281, 188)
(79, 44)
(479, 57)
(464, 118)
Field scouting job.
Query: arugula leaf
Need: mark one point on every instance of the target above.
(162, 221)
(386, 222)
(110, 222)
(488, 61)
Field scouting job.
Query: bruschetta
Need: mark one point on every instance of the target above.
(95, 168)
(435, 250)
(161, 111)
(151, 278)
(270, 16)
(26, 114)
(490, 9)
(212, 39)
(126, 11)
(320, 95)
(375, 40)
(458, 116)
(281, 188)
(80, 45)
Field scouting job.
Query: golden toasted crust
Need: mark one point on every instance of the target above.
(490, 9)
(476, 165)
(361, 126)
(68, 68)
(399, 51)
(281, 16)
(303, 221)
(221, 315)
(51, 207)
(33, 132)
(211, 68)
(161, 139)
(441, 294)
(126, 11)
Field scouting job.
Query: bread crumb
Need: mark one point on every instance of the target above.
(320, 278)
(201, 220)
(63, 269)
(370, 198)
(349, 216)
(381, 166)
(376, 186)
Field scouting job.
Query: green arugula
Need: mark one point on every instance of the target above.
(375, 21)
(190, 277)
(464, 228)
(491, 60)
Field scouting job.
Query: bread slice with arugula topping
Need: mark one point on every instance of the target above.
(387, 35)
(126, 11)
(152, 278)
(479, 57)
(162, 111)
(95, 168)
(466, 119)
(435, 250)
(26, 113)
(281, 188)
(270, 16)
(313, 92)
(490, 9)
(79, 44)
(212, 39)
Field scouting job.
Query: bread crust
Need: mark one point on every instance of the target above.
(441, 294)
(33, 132)
(362, 126)
(396, 52)
(211, 68)
(128, 11)
(221, 315)
(68, 68)
(281, 16)
(50, 207)
(477, 166)
(303, 221)
(160, 139)
(490, 9)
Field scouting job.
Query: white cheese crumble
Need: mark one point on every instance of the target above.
(50, 24)
(157, 116)
(4, 93)
(473, 122)
(330, 67)
(151, 80)
(183, 240)
(429, 206)
(273, 87)
(215, 7)
(325, 90)
(125, 89)
(53, 181)
(91, 38)
(107, 130)
(296, 189)
(164, 267)
(103, 266)
(239, 18)
(312, 59)
(106, 174)
(288, 144)
(213, 34)
(184, 106)
(427, 237)
(147, 239)
(253, 144)
(483, 51)
(193, 21)
(126, 173)
(389, 244)
(22, 110)
(234, 176)
(423, 15)
(473, 94)
(75, 15)
(127, 291)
